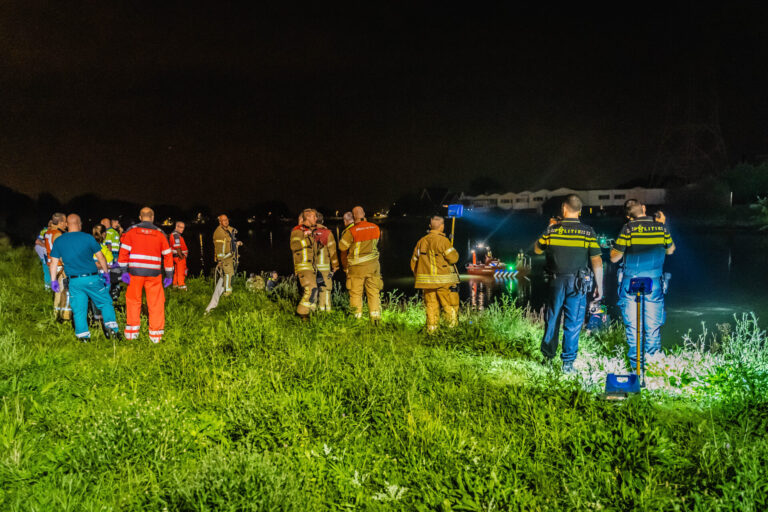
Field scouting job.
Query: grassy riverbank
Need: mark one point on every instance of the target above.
(248, 409)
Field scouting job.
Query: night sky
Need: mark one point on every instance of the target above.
(192, 102)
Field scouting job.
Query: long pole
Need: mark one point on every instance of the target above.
(453, 227)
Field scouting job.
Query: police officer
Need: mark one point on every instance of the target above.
(571, 248)
(643, 243)
(225, 244)
(77, 251)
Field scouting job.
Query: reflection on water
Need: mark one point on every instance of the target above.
(715, 275)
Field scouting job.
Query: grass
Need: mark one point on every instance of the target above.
(249, 409)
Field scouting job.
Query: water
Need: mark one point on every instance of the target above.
(715, 274)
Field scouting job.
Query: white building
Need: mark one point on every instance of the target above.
(533, 200)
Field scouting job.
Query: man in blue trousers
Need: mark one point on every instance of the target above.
(77, 250)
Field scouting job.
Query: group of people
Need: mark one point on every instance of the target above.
(83, 269)
(574, 269)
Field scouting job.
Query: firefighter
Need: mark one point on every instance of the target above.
(77, 251)
(327, 263)
(304, 248)
(571, 248)
(111, 237)
(363, 271)
(147, 264)
(225, 245)
(349, 221)
(180, 252)
(432, 265)
(61, 307)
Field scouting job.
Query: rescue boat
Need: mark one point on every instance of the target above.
(489, 267)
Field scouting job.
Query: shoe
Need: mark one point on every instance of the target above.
(227, 294)
(568, 368)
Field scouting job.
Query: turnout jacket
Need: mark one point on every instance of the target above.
(325, 244)
(433, 260)
(144, 251)
(304, 248)
(362, 243)
(224, 243)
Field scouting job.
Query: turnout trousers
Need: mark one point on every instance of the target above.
(324, 292)
(90, 287)
(436, 298)
(228, 268)
(61, 307)
(365, 278)
(308, 301)
(179, 272)
(565, 298)
(155, 306)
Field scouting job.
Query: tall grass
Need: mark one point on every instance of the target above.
(249, 409)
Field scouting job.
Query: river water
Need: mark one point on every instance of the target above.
(715, 274)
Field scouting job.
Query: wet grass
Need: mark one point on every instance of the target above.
(248, 409)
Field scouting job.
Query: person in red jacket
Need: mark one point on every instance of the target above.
(180, 252)
(147, 264)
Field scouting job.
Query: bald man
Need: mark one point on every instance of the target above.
(361, 242)
(432, 265)
(80, 253)
(225, 245)
(147, 264)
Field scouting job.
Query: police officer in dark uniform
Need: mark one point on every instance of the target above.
(644, 243)
(571, 248)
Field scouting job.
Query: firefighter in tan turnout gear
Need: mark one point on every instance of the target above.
(433, 266)
(326, 263)
(304, 249)
(225, 245)
(361, 242)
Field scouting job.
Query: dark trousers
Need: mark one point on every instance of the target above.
(563, 296)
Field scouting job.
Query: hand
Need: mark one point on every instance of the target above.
(598, 294)
(126, 278)
(239, 243)
(55, 286)
(660, 217)
(105, 277)
(167, 282)
(553, 220)
(114, 264)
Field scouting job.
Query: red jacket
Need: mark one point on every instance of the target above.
(144, 251)
(177, 242)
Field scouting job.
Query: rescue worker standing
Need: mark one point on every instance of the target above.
(43, 255)
(432, 265)
(349, 221)
(304, 248)
(225, 245)
(180, 252)
(78, 251)
(644, 243)
(111, 237)
(326, 263)
(570, 246)
(364, 271)
(147, 264)
(61, 306)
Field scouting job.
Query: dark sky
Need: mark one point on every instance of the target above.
(204, 102)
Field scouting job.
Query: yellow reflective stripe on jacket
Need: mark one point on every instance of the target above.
(363, 259)
(303, 266)
(436, 278)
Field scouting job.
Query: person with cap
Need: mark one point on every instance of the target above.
(643, 244)
(147, 264)
(80, 254)
(571, 248)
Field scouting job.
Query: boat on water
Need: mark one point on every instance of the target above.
(484, 264)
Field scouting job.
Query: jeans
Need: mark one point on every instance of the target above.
(90, 287)
(653, 319)
(564, 297)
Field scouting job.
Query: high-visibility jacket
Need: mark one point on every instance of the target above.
(112, 239)
(433, 261)
(50, 236)
(177, 244)
(303, 246)
(144, 251)
(224, 243)
(326, 257)
(362, 242)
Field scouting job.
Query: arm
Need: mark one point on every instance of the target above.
(165, 251)
(451, 255)
(101, 262)
(616, 256)
(597, 268)
(415, 258)
(125, 251)
(332, 251)
(53, 267)
(671, 249)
